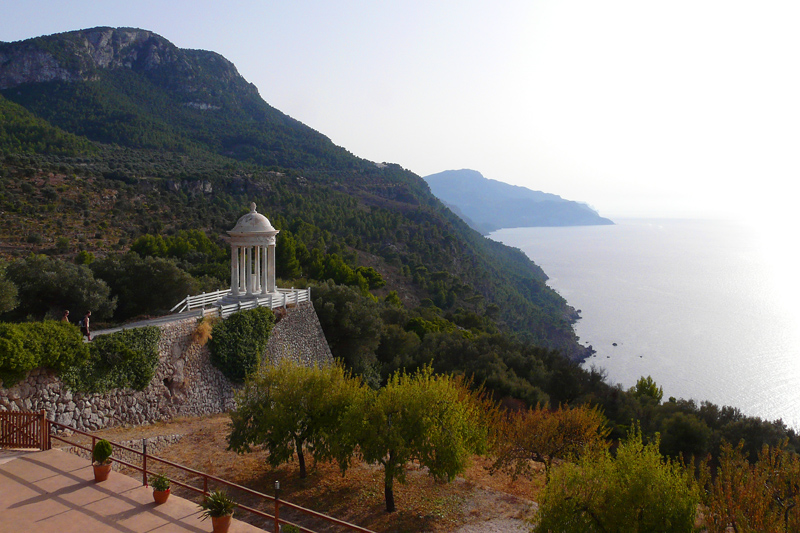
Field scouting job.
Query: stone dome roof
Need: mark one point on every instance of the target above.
(253, 222)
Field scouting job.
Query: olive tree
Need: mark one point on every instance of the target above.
(540, 435)
(435, 420)
(47, 286)
(289, 409)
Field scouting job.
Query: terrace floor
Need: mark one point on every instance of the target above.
(55, 492)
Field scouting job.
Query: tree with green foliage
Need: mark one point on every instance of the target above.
(8, 291)
(393, 299)
(435, 420)
(47, 286)
(287, 265)
(352, 326)
(684, 435)
(289, 409)
(238, 343)
(128, 274)
(373, 277)
(646, 386)
(539, 435)
(635, 491)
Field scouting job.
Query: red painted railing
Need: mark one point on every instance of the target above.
(48, 431)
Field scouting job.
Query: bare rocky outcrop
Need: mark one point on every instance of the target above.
(79, 55)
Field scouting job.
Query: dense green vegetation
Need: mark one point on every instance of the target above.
(635, 490)
(378, 335)
(122, 360)
(439, 421)
(238, 342)
(126, 359)
(23, 132)
(58, 346)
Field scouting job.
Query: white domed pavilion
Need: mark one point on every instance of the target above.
(252, 257)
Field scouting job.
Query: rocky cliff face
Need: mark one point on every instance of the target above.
(79, 55)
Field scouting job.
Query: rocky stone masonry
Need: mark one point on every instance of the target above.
(185, 382)
(298, 336)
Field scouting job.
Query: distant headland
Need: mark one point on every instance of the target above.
(488, 205)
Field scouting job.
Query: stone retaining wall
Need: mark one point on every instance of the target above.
(298, 336)
(185, 382)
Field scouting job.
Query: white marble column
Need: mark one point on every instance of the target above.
(257, 270)
(264, 276)
(234, 270)
(248, 272)
(242, 277)
(271, 268)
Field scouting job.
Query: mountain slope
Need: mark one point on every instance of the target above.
(488, 205)
(177, 139)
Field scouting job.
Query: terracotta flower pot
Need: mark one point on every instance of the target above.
(221, 524)
(101, 472)
(160, 496)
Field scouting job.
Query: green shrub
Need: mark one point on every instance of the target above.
(238, 342)
(102, 451)
(58, 346)
(635, 491)
(159, 482)
(122, 360)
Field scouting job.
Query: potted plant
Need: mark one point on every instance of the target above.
(101, 457)
(219, 507)
(160, 484)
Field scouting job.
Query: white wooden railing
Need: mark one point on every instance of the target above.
(282, 298)
(201, 300)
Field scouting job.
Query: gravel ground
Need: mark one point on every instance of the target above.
(497, 525)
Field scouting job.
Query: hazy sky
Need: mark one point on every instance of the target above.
(637, 107)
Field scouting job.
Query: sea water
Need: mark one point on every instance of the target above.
(707, 308)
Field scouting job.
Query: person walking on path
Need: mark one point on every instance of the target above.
(65, 318)
(84, 324)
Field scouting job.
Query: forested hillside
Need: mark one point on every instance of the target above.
(146, 138)
(124, 160)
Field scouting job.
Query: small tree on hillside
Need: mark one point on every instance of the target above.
(434, 420)
(8, 291)
(646, 386)
(540, 435)
(289, 408)
(635, 491)
(764, 496)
